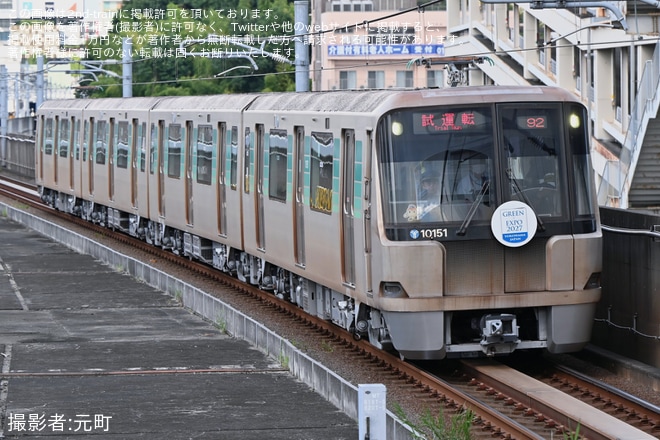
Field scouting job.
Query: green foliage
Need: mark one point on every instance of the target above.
(161, 32)
(281, 81)
(438, 427)
(573, 435)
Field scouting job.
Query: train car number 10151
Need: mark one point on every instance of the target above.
(433, 233)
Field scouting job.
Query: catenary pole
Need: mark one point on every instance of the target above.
(4, 116)
(301, 16)
(127, 67)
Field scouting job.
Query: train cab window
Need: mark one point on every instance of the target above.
(321, 171)
(101, 144)
(438, 165)
(174, 151)
(233, 167)
(48, 137)
(64, 136)
(584, 197)
(532, 146)
(277, 164)
(204, 153)
(455, 164)
(122, 144)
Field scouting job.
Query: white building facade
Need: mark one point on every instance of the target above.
(54, 30)
(606, 56)
(359, 46)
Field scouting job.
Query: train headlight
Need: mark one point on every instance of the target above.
(397, 128)
(393, 290)
(593, 282)
(574, 120)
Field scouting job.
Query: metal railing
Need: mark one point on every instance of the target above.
(613, 192)
(18, 156)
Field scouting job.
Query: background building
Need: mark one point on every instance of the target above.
(367, 51)
(608, 57)
(54, 29)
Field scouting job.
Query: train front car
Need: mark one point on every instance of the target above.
(490, 240)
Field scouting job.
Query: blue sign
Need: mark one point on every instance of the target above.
(356, 50)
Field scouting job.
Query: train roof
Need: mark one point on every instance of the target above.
(345, 101)
(206, 102)
(140, 103)
(351, 101)
(366, 101)
(501, 93)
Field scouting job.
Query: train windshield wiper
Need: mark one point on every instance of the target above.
(473, 208)
(524, 198)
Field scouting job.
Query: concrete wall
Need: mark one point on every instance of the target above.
(628, 316)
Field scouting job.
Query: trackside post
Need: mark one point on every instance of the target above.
(371, 412)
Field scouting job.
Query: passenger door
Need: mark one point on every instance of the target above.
(299, 205)
(347, 217)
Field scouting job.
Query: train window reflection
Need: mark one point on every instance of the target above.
(101, 143)
(76, 138)
(174, 151)
(277, 164)
(456, 164)
(321, 171)
(532, 149)
(233, 167)
(142, 130)
(154, 148)
(48, 137)
(582, 169)
(204, 153)
(64, 134)
(122, 144)
(440, 167)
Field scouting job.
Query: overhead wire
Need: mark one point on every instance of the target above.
(357, 65)
(365, 24)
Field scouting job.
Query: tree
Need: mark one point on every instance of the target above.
(164, 35)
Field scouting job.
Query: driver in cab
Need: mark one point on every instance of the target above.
(475, 182)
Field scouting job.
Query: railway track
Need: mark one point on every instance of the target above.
(619, 404)
(499, 408)
(560, 400)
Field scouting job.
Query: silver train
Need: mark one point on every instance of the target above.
(438, 223)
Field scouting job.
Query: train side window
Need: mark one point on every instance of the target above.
(246, 161)
(277, 165)
(204, 153)
(174, 151)
(85, 139)
(101, 141)
(64, 135)
(76, 138)
(48, 137)
(122, 145)
(154, 148)
(221, 148)
(321, 171)
(141, 144)
(233, 170)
